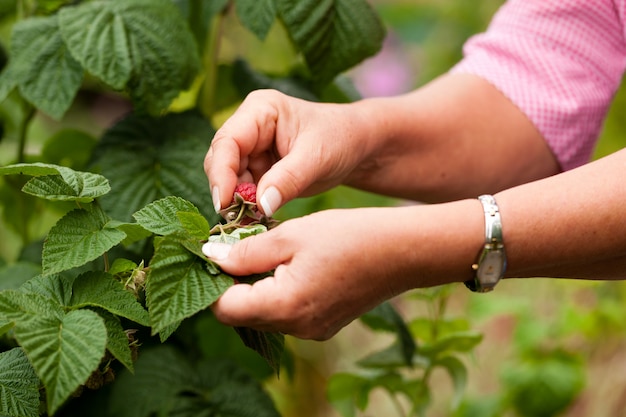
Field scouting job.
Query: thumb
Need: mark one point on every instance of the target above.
(288, 178)
(252, 255)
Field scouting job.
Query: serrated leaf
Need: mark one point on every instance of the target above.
(161, 216)
(144, 46)
(21, 308)
(333, 35)
(163, 157)
(53, 187)
(269, 345)
(194, 224)
(63, 352)
(46, 73)
(77, 238)
(117, 340)
(64, 183)
(19, 385)
(258, 16)
(57, 288)
(178, 285)
(99, 289)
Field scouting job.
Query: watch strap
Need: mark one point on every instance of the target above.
(491, 263)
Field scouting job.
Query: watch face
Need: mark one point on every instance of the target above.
(491, 268)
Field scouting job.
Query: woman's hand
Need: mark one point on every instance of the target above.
(289, 147)
(332, 266)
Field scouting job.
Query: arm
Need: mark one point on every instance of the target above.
(419, 146)
(333, 266)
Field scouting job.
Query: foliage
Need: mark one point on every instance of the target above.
(120, 274)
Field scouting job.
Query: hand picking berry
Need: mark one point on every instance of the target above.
(243, 209)
(246, 191)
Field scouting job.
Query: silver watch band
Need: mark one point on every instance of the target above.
(491, 263)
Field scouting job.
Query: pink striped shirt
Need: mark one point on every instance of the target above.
(560, 62)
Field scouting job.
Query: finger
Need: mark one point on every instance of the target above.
(250, 130)
(287, 179)
(251, 306)
(253, 255)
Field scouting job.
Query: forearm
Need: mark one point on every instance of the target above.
(456, 137)
(569, 225)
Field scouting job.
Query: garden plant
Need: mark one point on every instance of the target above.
(105, 293)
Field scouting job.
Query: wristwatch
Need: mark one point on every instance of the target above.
(491, 263)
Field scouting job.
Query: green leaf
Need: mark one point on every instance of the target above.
(60, 183)
(178, 284)
(161, 217)
(258, 16)
(333, 35)
(134, 232)
(63, 352)
(100, 289)
(194, 224)
(77, 238)
(57, 288)
(117, 340)
(238, 234)
(179, 387)
(46, 73)
(53, 187)
(21, 308)
(458, 372)
(391, 357)
(164, 370)
(456, 342)
(348, 392)
(9, 79)
(162, 157)
(269, 345)
(385, 317)
(19, 385)
(144, 46)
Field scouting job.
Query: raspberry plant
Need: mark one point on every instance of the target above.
(104, 296)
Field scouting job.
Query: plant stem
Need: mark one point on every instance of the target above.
(105, 257)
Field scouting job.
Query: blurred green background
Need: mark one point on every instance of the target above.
(546, 343)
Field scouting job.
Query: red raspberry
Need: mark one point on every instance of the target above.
(247, 191)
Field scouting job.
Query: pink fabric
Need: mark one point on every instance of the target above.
(560, 62)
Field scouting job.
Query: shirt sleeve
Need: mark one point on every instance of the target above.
(560, 62)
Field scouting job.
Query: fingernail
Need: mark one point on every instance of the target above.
(270, 201)
(216, 251)
(215, 195)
